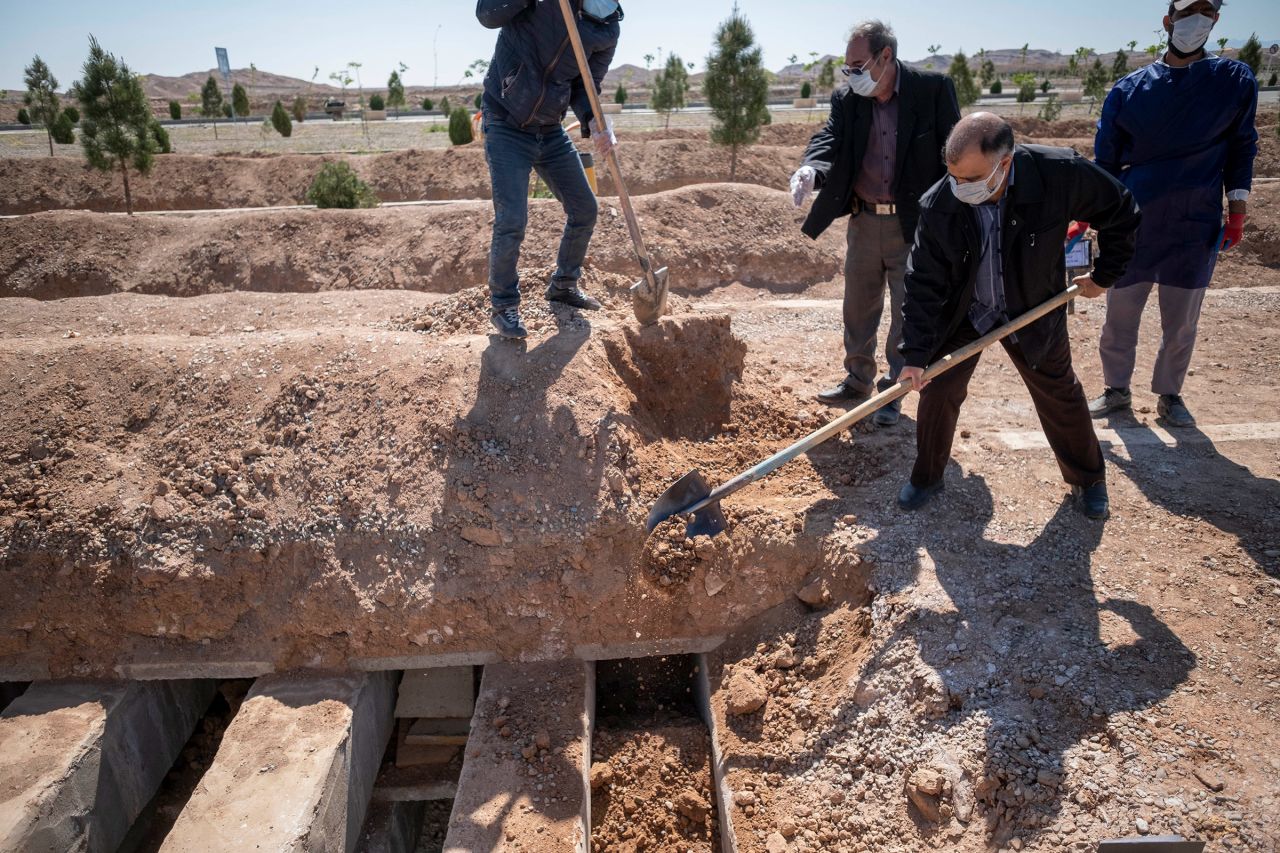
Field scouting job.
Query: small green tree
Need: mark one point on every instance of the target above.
(24, 117)
(460, 126)
(620, 96)
(428, 105)
(1251, 53)
(63, 132)
(1051, 110)
(1120, 66)
(280, 120)
(827, 76)
(670, 85)
(997, 88)
(211, 102)
(1095, 82)
(966, 90)
(376, 102)
(226, 113)
(239, 100)
(175, 110)
(395, 92)
(41, 97)
(116, 129)
(160, 137)
(299, 109)
(337, 185)
(444, 105)
(1026, 84)
(73, 114)
(736, 87)
(1045, 85)
(986, 69)
(806, 90)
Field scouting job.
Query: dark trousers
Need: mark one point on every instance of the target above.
(1056, 392)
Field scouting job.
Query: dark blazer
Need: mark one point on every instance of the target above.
(927, 110)
(534, 79)
(1051, 187)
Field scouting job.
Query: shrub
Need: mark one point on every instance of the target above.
(376, 103)
(997, 87)
(428, 104)
(299, 109)
(280, 120)
(1045, 86)
(444, 106)
(479, 100)
(240, 100)
(1052, 109)
(73, 114)
(1274, 78)
(620, 96)
(460, 126)
(337, 185)
(62, 129)
(161, 137)
(806, 91)
(226, 111)
(23, 116)
(175, 110)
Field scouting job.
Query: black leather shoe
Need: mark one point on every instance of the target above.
(1111, 400)
(889, 415)
(507, 322)
(912, 497)
(1093, 500)
(1173, 411)
(841, 393)
(572, 296)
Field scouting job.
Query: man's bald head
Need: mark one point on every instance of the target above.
(983, 133)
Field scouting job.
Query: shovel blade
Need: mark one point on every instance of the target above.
(683, 494)
(647, 304)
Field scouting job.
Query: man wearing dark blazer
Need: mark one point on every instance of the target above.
(880, 150)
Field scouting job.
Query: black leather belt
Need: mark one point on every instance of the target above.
(877, 209)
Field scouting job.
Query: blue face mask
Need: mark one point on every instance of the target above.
(599, 10)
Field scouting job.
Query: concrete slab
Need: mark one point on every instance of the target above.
(650, 648)
(296, 767)
(411, 784)
(79, 760)
(446, 731)
(447, 691)
(147, 671)
(407, 662)
(511, 790)
(392, 827)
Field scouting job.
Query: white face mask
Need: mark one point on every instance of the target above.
(1191, 33)
(861, 83)
(976, 192)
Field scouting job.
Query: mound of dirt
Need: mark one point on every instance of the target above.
(708, 235)
(310, 498)
(194, 182)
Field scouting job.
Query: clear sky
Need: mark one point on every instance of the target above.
(437, 39)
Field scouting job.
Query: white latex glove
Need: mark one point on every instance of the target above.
(604, 140)
(802, 185)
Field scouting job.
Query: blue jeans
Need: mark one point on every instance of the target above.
(512, 153)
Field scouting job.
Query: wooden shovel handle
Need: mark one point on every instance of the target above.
(624, 199)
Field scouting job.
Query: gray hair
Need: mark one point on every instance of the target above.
(987, 131)
(878, 34)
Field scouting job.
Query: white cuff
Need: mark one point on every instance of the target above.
(1237, 195)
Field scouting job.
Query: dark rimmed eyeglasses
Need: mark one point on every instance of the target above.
(849, 71)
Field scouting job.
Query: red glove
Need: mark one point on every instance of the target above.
(1076, 229)
(1233, 231)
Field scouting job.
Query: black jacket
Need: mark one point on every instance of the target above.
(533, 78)
(1051, 187)
(927, 111)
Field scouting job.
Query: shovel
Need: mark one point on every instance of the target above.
(692, 494)
(649, 294)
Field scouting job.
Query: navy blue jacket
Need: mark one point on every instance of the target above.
(1178, 137)
(534, 79)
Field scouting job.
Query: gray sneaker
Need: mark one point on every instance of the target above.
(1112, 400)
(1174, 412)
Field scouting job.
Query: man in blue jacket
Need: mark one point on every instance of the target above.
(532, 82)
(1177, 133)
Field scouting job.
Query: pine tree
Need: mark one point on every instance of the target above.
(1095, 82)
(827, 76)
(395, 92)
(24, 117)
(620, 96)
(115, 129)
(63, 129)
(211, 102)
(966, 90)
(737, 87)
(239, 100)
(280, 120)
(669, 87)
(1120, 67)
(986, 69)
(1251, 54)
(42, 97)
(161, 137)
